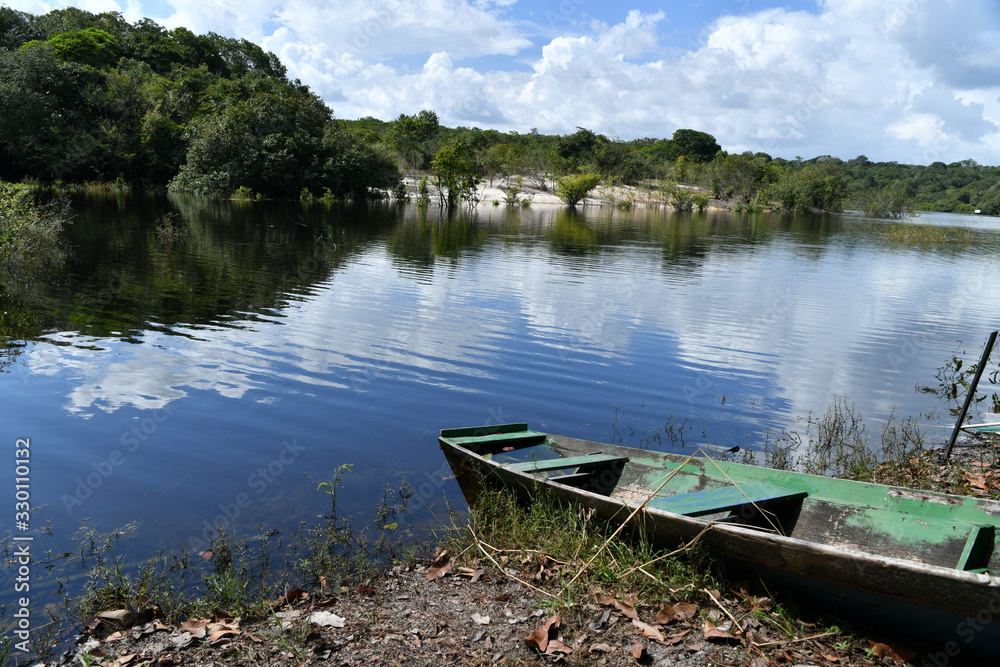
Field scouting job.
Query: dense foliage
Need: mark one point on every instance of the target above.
(91, 97)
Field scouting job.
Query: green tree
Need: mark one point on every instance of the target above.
(352, 165)
(456, 174)
(696, 146)
(89, 46)
(412, 137)
(573, 189)
(580, 149)
(267, 136)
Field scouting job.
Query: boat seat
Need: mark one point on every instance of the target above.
(721, 499)
(568, 462)
(978, 548)
(520, 437)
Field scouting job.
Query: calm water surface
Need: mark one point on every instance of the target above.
(161, 384)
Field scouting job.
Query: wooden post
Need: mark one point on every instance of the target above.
(971, 395)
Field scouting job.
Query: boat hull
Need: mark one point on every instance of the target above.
(958, 611)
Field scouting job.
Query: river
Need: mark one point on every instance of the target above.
(167, 385)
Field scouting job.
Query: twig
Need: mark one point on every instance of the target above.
(730, 615)
(682, 549)
(624, 523)
(501, 568)
(795, 641)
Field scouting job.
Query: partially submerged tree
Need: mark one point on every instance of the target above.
(573, 189)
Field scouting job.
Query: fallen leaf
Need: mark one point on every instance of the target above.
(619, 606)
(601, 648)
(124, 660)
(831, 658)
(222, 637)
(712, 631)
(556, 646)
(639, 651)
(539, 639)
(896, 653)
(294, 595)
(678, 612)
(196, 627)
(326, 619)
(481, 620)
(440, 566)
(978, 481)
(675, 638)
(648, 631)
(122, 618)
(207, 555)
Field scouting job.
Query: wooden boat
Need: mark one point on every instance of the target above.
(915, 561)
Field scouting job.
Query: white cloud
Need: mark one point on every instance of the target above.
(897, 80)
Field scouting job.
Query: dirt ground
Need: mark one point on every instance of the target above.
(472, 618)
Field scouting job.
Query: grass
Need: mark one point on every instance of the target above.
(910, 234)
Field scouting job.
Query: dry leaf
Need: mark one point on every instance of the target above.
(222, 637)
(539, 639)
(196, 627)
(619, 606)
(122, 618)
(556, 646)
(675, 638)
(481, 620)
(648, 631)
(440, 566)
(639, 651)
(712, 631)
(897, 653)
(678, 612)
(326, 619)
(601, 648)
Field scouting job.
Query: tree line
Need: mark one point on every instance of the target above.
(92, 97)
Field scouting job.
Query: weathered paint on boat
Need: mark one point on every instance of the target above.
(917, 561)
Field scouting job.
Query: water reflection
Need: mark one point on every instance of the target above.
(358, 332)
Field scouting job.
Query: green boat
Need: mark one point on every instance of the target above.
(914, 561)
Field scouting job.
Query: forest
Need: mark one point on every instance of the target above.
(93, 99)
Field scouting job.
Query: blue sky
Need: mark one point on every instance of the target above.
(908, 80)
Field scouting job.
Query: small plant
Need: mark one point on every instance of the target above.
(573, 189)
(328, 196)
(243, 193)
(423, 193)
(169, 230)
(701, 201)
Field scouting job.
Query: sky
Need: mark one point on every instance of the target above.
(914, 81)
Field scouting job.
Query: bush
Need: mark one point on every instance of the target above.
(29, 231)
(572, 189)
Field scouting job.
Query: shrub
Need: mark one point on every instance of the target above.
(29, 231)
(572, 189)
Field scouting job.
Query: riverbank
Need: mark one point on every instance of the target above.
(530, 585)
(618, 196)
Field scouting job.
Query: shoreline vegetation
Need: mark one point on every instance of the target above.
(502, 584)
(97, 101)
